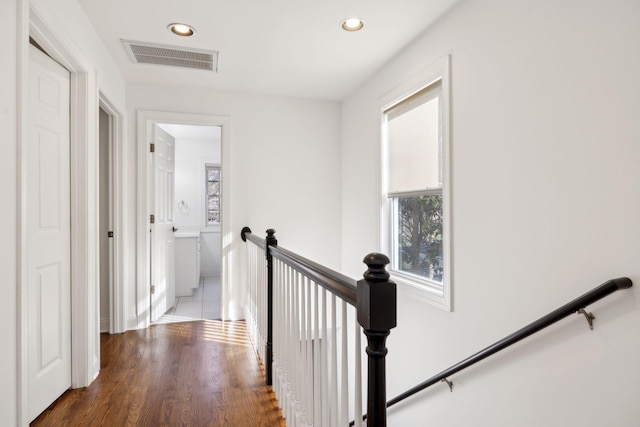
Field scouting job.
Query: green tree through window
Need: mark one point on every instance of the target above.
(420, 235)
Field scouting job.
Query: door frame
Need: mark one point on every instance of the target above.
(146, 120)
(85, 322)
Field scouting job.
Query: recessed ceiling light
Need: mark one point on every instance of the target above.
(183, 30)
(352, 24)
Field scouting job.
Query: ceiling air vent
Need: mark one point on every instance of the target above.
(149, 53)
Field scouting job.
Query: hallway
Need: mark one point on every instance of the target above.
(200, 373)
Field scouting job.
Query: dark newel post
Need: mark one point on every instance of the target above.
(376, 306)
(270, 241)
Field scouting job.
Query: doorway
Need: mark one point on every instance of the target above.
(200, 266)
(104, 142)
(109, 303)
(196, 199)
(111, 314)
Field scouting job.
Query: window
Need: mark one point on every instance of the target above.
(212, 201)
(416, 194)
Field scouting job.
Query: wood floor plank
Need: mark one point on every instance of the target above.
(202, 373)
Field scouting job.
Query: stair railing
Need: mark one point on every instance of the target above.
(302, 319)
(578, 306)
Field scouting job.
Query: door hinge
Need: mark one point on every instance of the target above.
(152, 147)
(152, 219)
(153, 289)
(110, 234)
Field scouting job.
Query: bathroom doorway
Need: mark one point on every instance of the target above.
(196, 200)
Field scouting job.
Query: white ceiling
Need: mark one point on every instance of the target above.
(287, 47)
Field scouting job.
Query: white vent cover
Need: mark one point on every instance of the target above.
(176, 56)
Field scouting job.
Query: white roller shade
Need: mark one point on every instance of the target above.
(414, 142)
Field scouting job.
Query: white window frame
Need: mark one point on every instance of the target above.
(416, 287)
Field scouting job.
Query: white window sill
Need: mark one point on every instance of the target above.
(211, 229)
(422, 290)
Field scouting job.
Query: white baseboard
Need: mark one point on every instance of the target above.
(132, 323)
(104, 324)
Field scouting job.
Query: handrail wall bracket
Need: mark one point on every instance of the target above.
(589, 316)
(449, 383)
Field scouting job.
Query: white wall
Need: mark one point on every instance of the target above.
(9, 18)
(191, 157)
(546, 205)
(284, 170)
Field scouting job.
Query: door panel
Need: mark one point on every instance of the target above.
(48, 228)
(162, 237)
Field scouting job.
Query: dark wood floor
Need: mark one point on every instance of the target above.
(202, 373)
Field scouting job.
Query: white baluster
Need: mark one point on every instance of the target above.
(295, 329)
(317, 379)
(358, 375)
(257, 302)
(326, 407)
(277, 327)
(309, 359)
(280, 328)
(303, 351)
(344, 405)
(263, 303)
(282, 335)
(334, 363)
(260, 305)
(288, 374)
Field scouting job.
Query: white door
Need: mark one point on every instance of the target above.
(48, 232)
(162, 239)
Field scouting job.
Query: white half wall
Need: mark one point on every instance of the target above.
(546, 206)
(284, 170)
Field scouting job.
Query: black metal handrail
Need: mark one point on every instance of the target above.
(578, 305)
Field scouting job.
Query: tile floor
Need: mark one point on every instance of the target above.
(203, 304)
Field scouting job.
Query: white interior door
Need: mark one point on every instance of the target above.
(48, 230)
(162, 235)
